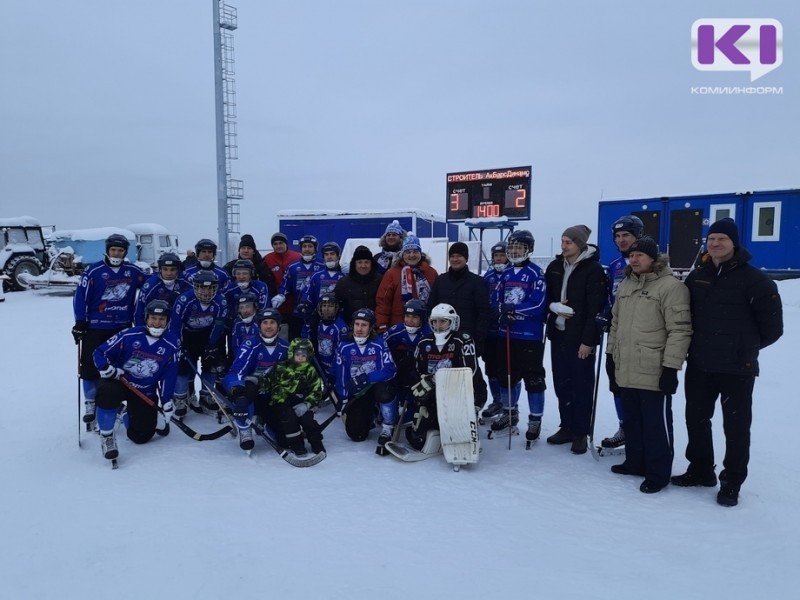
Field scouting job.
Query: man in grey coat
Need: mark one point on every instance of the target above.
(650, 334)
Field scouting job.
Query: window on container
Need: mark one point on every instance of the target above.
(146, 239)
(722, 211)
(766, 221)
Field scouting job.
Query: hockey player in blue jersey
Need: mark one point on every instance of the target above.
(206, 251)
(198, 319)
(520, 297)
(402, 340)
(165, 285)
(244, 281)
(491, 358)
(295, 279)
(626, 230)
(331, 330)
(103, 305)
(147, 357)
(364, 369)
(321, 282)
(244, 325)
(254, 358)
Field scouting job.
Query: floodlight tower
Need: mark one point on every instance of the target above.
(229, 190)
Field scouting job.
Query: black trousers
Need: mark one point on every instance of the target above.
(142, 417)
(736, 399)
(573, 380)
(648, 433)
(90, 342)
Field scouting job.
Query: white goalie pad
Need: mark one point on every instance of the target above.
(458, 424)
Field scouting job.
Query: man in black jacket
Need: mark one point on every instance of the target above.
(357, 289)
(248, 251)
(468, 294)
(576, 291)
(736, 311)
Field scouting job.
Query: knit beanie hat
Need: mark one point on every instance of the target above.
(726, 226)
(247, 242)
(578, 234)
(459, 248)
(645, 244)
(411, 243)
(362, 253)
(394, 227)
(281, 237)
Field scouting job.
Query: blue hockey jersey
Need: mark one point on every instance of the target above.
(372, 359)
(255, 357)
(189, 315)
(106, 295)
(525, 288)
(150, 364)
(155, 289)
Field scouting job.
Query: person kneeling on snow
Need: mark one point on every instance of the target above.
(295, 388)
(137, 363)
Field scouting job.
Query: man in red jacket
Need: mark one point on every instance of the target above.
(277, 261)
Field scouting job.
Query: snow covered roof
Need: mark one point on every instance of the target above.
(140, 228)
(393, 213)
(24, 221)
(98, 233)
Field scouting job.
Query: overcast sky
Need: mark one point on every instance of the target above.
(108, 107)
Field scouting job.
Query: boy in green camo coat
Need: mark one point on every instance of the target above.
(295, 389)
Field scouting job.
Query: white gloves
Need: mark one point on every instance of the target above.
(300, 409)
(277, 300)
(111, 373)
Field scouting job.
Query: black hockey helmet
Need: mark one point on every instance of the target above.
(157, 307)
(499, 248)
(169, 259)
(247, 297)
(205, 284)
(327, 301)
(116, 240)
(243, 263)
(308, 239)
(268, 313)
(519, 246)
(205, 244)
(328, 246)
(416, 307)
(630, 223)
(365, 314)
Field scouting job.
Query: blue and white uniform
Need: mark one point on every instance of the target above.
(156, 288)
(328, 337)
(222, 275)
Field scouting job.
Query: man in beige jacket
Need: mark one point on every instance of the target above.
(650, 333)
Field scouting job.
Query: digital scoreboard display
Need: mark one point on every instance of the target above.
(489, 193)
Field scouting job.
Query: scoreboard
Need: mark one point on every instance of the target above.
(489, 194)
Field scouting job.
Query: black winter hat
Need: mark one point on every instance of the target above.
(645, 244)
(459, 248)
(362, 253)
(247, 242)
(726, 226)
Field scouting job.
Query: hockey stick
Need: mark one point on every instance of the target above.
(79, 392)
(599, 350)
(220, 404)
(295, 461)
(200, 437)
(508, 370)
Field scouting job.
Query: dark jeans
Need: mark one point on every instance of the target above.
(736, 399)
(573, 380)
(648, 433)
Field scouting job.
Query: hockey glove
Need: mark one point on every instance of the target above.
(612, 377)
(423, 387)
(356, 384)
(111, 373)
(79, 330)
(237, 391)
(278, 300)
(506, 313)
(603, 321)
(668, 382)
(169, 410)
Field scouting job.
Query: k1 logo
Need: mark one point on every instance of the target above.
(754, 45)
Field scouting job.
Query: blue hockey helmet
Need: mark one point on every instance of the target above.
(519, 246)
(328, 306)
(630, 223)
(268, 313)
(205, 244)
(116, 240)
(365, 314)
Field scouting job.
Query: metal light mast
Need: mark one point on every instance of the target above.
(229, 190)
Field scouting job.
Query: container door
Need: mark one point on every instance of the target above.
(685, 237)
(652, 223)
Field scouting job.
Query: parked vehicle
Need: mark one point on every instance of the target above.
(22, 251)
(153, 240)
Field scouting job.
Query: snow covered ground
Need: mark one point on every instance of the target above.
(186, 519)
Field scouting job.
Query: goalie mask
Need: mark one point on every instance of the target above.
(444, 320)
(205, 284)
(157, 313)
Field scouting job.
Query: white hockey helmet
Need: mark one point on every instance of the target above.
(444, 312)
